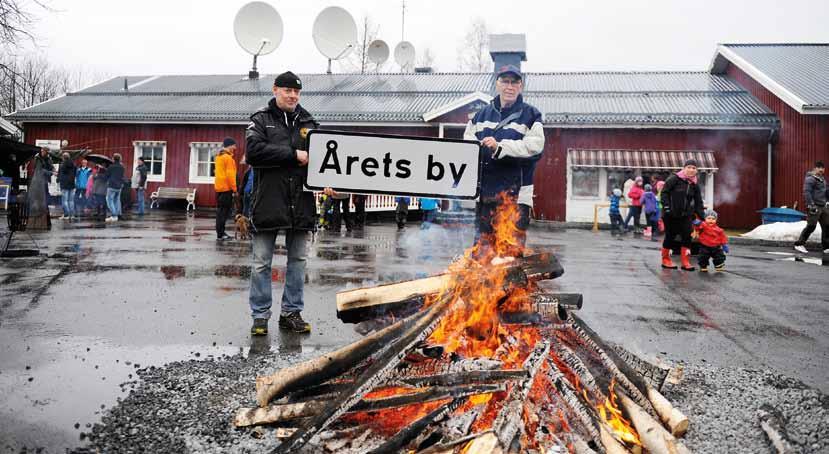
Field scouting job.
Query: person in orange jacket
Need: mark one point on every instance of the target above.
(225, 185)
(713, 242)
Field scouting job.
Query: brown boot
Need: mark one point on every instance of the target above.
(686, 259)
(667, 263)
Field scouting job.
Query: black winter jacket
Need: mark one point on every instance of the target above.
(814, 190)
(681, 199)
(115, 176)
(279, 200)
(66, 175)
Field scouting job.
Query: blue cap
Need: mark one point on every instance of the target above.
(510, 69)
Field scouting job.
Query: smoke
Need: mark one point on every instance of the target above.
(727, 184)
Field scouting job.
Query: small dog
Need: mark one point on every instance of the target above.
(242, 227)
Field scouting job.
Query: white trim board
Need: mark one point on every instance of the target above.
(790, 98)
(456, 104)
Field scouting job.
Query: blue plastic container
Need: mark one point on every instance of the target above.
(772, 214)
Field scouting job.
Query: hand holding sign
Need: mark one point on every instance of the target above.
(302, 157)
(490, 143)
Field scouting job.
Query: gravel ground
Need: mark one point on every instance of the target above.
(723, 405)
(188, 406)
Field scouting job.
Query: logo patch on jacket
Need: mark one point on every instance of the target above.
(303, 132)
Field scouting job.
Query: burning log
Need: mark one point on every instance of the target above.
(655, 374)
(358, 304)
(319, 369)
(465, 378)
(547, 307)
(487, 443)
(393, 444)
(654, 437)
(580, 446)
(771, 421)
(655, 403)
(509, 422)
(610, 443)
(284, 412)
(420, 327)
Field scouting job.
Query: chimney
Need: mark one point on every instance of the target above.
(508, 49)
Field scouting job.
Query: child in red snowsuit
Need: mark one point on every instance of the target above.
(713, 242)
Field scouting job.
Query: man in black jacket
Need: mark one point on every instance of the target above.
(817, 206)
(681, 203)
(115, 182)
(276, 149)
(66, 180)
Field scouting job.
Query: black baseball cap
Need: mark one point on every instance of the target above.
(288, 80)
(510, 69)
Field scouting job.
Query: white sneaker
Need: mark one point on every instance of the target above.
(64, 218)
(109, 219)
(826, 251)
(801, 249)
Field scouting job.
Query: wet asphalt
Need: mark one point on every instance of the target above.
(104, 300)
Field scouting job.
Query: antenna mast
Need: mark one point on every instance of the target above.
(403, 25)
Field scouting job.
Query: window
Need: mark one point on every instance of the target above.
(155, 158)
(616, 179)
(203, 161)
(585, 183)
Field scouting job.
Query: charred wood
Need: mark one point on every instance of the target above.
(771, 421)
(465, 378)
(420, 326)
(362, 303)
(400, 439)
(624, 374)
(330, 365)
(655, 375)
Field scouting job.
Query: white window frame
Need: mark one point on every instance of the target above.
(194, 163)
(138, 145)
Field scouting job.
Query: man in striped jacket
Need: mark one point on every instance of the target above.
(512, 139)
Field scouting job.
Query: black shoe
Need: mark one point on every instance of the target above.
(260, 327)
(224, 237)
(292, 321)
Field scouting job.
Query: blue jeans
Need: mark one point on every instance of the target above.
(635, 213)
(80, 200)
(67, 201)
(260, 277)
(114, 201)
(139, 194)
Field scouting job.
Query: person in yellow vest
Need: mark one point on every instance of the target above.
(225, 186)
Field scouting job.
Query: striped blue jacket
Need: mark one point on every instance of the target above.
(520, 144)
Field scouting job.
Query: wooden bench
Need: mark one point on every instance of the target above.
(188, 194)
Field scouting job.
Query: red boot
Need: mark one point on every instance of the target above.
(667, 263)
(686, 259)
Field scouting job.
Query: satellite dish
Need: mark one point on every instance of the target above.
(258, 29)
(378, 52)
(404, 55)
(335, 33)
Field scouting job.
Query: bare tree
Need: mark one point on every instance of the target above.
(426, 59)
(357, 60)
(31, 79)
(473, 55)
(15, 21)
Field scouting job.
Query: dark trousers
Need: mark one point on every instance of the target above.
(821, 216)
(224, 203)
(342, 213)
(100, 203)
(359, 210)
(401, 213)
(677, 227)
(635, 213)
(715, 253)
(615, 222)
(485, 216)
(246, 205)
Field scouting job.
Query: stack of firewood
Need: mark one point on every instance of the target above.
(394, 391)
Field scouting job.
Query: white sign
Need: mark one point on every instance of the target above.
(367, 163)
(52, 145)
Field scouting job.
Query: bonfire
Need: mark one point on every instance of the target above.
(479, 359)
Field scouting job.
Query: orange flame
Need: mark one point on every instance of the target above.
(612, 415)
(390, 421)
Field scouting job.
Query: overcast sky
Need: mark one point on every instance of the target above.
(196, 37)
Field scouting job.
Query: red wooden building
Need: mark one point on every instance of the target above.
(601, 127)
